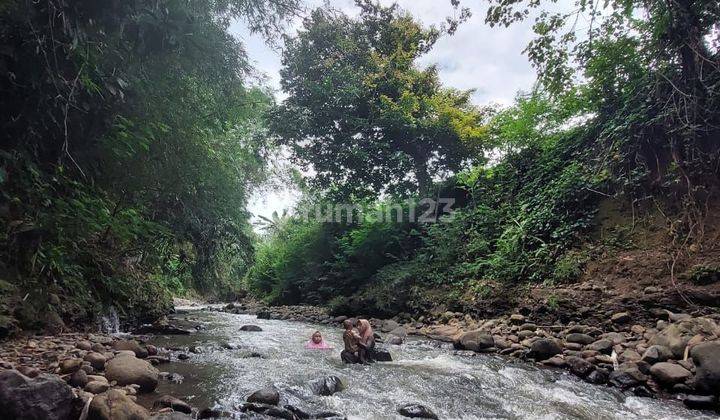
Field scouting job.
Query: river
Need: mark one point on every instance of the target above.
(426, 372)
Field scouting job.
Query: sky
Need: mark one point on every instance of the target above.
(488, 60)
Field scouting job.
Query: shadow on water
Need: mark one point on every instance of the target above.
(230, 364)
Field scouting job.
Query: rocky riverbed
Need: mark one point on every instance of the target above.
(676, 357)
(100, 376)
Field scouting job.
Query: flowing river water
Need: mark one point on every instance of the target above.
(425, 372)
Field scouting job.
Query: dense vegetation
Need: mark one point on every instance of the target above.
(627, 109)
(133, 134)
(131, 138)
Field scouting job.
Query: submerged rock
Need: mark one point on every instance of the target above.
(268, 396)
(43, 397)
(416, 411)
(327, 386)
(168, 401)
(253, 328)
(380, 354)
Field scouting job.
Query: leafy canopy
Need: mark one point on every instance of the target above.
(362, 115)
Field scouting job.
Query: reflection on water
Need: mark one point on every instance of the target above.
(454, 386)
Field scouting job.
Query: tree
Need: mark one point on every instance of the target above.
(362, 115)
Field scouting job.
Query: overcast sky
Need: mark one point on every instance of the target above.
(489, 60)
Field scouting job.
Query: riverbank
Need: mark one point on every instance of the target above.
(677, 356)
(103, 376)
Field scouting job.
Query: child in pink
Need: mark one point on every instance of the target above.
(316, 342)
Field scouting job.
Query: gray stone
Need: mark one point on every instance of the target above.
(416, 411)
(669, 374)
(128, 370)
(268, 396)
(706, 357)
(43, 397)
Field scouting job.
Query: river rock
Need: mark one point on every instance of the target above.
(327, 386)
(96, 387)
(416, 411)
(706, 357)
(656, 353)
(604, 346)
(389, 325)
(96, 360)
(669, 374)
(598, 376)
(677, 335)
(168, 401)
(517, 319)
(474, 340)
(70, 365)
(28, 371)
(579, 338)
(381, 354)
(115, 405)
(78, 379)
(269, 410)
(399, 332)
(268, 396)
(127, 370)
(544, 348)
(131, 345)
(43, 397)
(394, 340)
(253, 328)
(627, 375)
(579, 366)
(620, 318)
(701, 402)
(84, 345)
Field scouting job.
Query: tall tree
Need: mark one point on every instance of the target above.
(362, 115)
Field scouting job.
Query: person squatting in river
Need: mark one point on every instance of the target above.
(358, 344)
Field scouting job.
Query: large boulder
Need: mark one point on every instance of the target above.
(677, 335)
(707, 364)
(115, 405)
(131, 345)
(268, 396)
(669, 374)
(474, 340)
(43, 397)
(544, 349)
(128, 370)
(416, 411)
(327, 386)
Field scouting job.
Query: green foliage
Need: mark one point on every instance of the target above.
(131, 140)
(362, 114)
